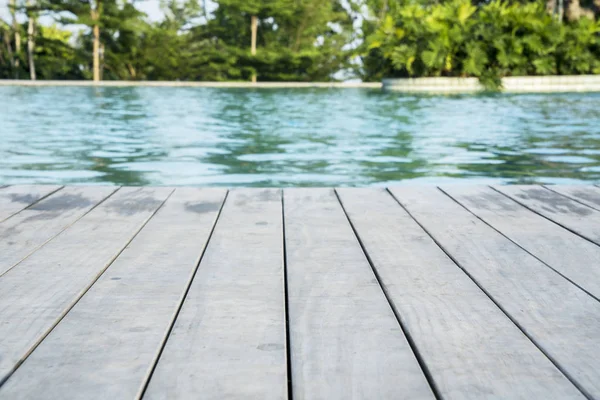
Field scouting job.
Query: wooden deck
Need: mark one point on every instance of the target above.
(458, 292)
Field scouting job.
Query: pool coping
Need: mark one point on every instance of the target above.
(434, 85)
(246, 85)
(513, 84)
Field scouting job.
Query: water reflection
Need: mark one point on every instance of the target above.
(308, 137)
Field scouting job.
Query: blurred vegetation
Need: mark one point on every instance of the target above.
(489, 41)
(301, 40)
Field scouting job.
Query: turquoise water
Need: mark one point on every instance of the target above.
(292, 137)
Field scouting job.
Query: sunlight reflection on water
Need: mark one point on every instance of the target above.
(292, 137)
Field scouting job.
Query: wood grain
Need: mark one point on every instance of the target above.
(568, 213)
(228, 341)
(560, 318)
(567, 253)
(470, 347)
(15, 198)
(108, 342)
(345, 340)
(28, 230)
(37, 294)
(588, 195)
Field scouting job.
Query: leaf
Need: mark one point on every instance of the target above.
(375, 44)
(465, 10)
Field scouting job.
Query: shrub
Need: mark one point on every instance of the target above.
(490, 41)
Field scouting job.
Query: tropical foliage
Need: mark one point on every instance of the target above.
(491, 40)
(297, 40)
(301, 40)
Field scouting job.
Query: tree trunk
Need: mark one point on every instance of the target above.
(299, 32)
(132, 72)
(31, 41)
(16, 30)
(11, 56)
(101, 61)
(95, 13)
(253, 30)
(561, 10)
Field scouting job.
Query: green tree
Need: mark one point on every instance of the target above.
(56, 58)
(107, 21)
(300, 40)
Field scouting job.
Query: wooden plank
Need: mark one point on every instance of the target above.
(108, 343)
(570, 255)
(15, 198)
(588, 195)
(35, 296)
(31, 228)
(559, 317)
(229, 340)
(568, 213)
(470, 347)
(345, 340)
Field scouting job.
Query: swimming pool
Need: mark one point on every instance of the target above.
(293, 137)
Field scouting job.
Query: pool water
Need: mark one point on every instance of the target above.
(293, 137)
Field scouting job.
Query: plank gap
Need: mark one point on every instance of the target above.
(15, 211)
(550, 188)
(520, 246)
(42, 198)
(180, 306)
(288, 348)
(29, 254)
(544, 216)
(540, 348)
(70, 307)
(411, 342)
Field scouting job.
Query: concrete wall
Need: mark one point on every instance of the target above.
(519, 84)
(258, 85)
(515, 84)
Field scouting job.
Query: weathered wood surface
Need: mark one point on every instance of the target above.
(566, 212)
(588, 195)
(345, 340)
(452, 322)
(560, 318)
(159, 293)
(37, 294)
(15, 198)
(108, 343)
(229, 340)
(565, 252)
(31, 228)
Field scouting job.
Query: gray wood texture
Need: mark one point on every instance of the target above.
(567, 253)
(15, 198)
(568, 213)
(229, 340)
(37, 294)
(31, 228)
(588, 195)
(560, 318)
(345, 340)
(453, 324)
(108, 343)
(107, 299)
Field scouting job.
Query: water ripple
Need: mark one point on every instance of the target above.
(285, 137)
